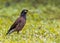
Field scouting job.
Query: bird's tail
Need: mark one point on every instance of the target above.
(10, 31)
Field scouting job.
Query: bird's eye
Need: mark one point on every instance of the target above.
(25, 11)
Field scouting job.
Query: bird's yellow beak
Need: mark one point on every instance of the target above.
(30, 11)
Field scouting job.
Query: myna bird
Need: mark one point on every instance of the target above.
(19, 23)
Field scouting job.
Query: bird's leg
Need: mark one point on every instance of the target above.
(17, 32)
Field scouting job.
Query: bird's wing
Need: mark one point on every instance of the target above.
(14, 25)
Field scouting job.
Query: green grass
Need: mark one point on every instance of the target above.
(40, 27)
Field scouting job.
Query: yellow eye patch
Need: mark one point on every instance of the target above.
(25, 11)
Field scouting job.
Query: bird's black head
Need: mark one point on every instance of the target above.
(24, 12)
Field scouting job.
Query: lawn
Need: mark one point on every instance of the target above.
(42, 25)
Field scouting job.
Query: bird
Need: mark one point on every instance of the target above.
(19, 23)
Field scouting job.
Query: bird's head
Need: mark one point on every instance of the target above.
(24, 12)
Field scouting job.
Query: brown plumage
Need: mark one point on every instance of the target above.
(19, 23)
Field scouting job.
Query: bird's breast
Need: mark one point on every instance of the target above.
(22, 23)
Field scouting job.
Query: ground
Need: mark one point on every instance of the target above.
(42, 25)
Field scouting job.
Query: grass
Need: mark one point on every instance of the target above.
(40, 27)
